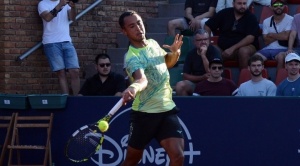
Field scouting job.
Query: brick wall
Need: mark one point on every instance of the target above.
(21, 29)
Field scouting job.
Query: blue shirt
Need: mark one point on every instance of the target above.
(288, 88)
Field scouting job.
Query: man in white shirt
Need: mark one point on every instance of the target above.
(57, 42)
(275, 28)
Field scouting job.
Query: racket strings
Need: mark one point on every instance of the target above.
(84, 144)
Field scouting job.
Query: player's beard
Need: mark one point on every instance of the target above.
(140, 37)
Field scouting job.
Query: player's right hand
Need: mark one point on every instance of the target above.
(128, 95)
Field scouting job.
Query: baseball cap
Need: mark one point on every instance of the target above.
(292, 57)
(216, 60)
(274, 1)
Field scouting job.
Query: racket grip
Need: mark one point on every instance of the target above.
(116, 107)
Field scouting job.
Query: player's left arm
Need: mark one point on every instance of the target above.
(172, 57)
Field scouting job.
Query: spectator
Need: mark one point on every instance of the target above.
(294, 35)
(257, 86)
(216, 85)
(222, 4)
(154, 113)
(57, 42)
(291, 85)
(238, 33)
(196, 65)
(105, 82)
(275, 28)
(197, 13)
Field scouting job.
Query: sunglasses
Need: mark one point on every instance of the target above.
(217, 67)
(104, 64)
(277, 4)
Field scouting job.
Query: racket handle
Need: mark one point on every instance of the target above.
(116, 107)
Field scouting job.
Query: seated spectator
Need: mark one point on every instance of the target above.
(196, 64)
(238, 33)
(257, 86)
(222, 4)
(215, 85)
(105, 82)
(291, 85)
(276, 27)
(295, 35)
(197, 13)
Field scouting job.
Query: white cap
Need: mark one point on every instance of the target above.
(292, 56)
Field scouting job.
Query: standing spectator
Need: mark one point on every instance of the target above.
(238, 33)
(291, 85)
(257, 86)
(196, 65)
(197, 12)
(295, 35)
(105, 82)
(57, 42)
(276, 27)
(216, 85)
(222, 4)
(154, 113)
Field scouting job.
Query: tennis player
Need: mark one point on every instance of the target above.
(154, 114)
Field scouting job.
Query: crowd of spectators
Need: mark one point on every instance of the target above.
(238, 40)
(237, 30)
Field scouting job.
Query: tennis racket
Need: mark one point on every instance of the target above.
(87, 140)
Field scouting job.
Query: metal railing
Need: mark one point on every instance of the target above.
(38, 45)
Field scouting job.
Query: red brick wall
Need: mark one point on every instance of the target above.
(21, 29)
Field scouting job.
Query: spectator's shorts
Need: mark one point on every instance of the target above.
(270, 54)
(61, 55)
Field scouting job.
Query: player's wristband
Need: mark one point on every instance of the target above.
(136, 86)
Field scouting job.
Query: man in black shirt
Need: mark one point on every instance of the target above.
(238, 32)
(105, 82)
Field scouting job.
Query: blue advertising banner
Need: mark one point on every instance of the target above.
(219, 131)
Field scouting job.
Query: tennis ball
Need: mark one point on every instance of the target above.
(103, 126)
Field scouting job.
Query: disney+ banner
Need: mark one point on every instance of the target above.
(219, 131)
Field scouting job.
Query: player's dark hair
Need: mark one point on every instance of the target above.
(255, 58)
(126, 14)
(101, 56)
